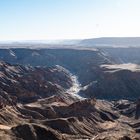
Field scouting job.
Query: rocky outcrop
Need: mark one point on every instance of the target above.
(25, 84)
(35, 132)
(54, 118)
(115, 82)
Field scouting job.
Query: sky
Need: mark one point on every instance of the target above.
(68, 19)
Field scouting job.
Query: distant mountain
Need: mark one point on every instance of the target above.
(112, 41)
(58, 41)
(102, 42)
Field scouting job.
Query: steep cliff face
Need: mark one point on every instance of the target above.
(115, 82)
(26, 84)
(124, 55)
(82, 63)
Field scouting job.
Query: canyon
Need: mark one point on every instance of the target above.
(69, 94)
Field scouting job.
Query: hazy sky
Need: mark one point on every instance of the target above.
(68, 19)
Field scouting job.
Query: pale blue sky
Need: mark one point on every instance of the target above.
(68, 19)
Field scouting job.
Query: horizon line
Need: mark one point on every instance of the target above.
(65, 39)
